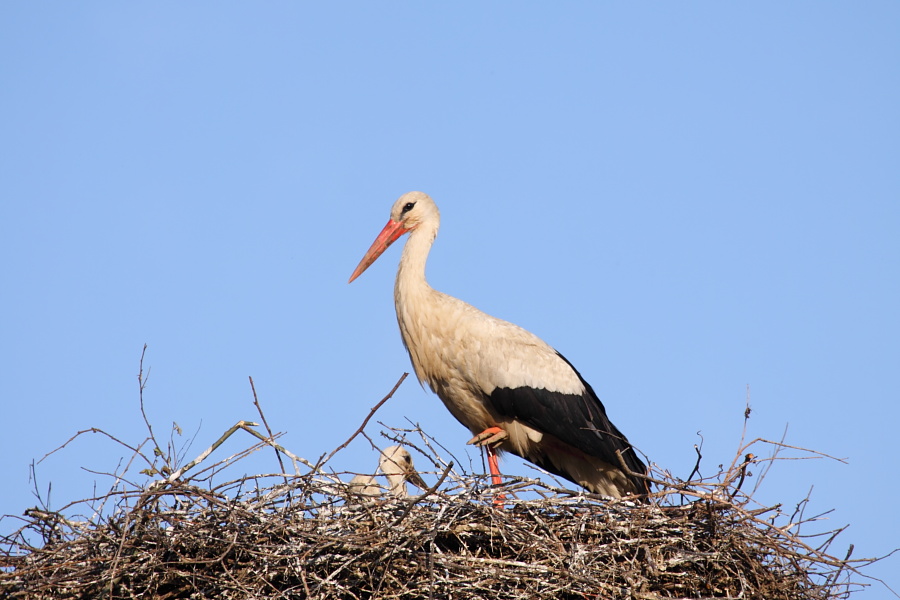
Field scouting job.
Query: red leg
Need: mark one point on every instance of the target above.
(490, 438)
(493, 465)
(495, 474)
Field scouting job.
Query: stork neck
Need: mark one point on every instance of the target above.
(411, 273)
(397, 485)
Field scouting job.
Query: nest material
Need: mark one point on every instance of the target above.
(306, 536)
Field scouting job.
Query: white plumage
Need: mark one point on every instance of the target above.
(495, 376)
(397, 465)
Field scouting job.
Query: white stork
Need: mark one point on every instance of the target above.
(513, 391)
(397, 465)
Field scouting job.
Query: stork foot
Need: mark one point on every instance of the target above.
(490, 437)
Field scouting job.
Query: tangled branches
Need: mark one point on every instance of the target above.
(305, 535)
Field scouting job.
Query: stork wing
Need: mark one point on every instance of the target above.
(577, 419)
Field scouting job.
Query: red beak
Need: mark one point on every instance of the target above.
(391, 232)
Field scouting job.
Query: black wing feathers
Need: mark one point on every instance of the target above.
(579, 420)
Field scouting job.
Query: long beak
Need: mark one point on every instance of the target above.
(414, 478)
(388, 235)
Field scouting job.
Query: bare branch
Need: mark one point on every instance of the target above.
(366, 420)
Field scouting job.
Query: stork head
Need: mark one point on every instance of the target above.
(396, 463)
(410, 211)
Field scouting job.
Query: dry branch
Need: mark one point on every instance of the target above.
(304, 536)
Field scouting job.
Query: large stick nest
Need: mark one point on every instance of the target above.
(305, 535)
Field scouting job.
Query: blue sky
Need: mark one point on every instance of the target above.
(685, 199)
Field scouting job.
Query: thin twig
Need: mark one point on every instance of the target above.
(365, 421)
(142, 383)
(749, 458)
(427, 492)
(696, 469)
(178, 473)
(266, 424)
(268, 441)
(100, 431)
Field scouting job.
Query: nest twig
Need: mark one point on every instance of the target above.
(305, 535)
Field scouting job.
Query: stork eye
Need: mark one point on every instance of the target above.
(407, 207)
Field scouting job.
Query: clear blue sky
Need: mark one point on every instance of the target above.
(685, 199)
